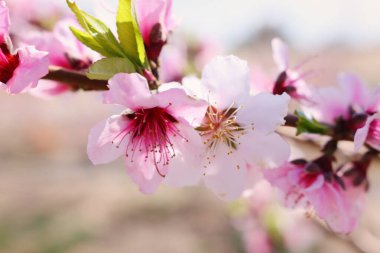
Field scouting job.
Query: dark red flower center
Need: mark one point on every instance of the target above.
(8, 63)
(150, 132)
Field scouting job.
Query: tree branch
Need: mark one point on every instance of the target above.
(75, 79)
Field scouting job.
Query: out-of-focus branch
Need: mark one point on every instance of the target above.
(75, 79)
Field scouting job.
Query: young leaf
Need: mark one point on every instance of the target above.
(106, 68)
(306, 125)
(98, 31)
(129, 33)
(89, 41)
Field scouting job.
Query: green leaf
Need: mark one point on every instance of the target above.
(98, 31)
(129, 33)
(106, 68)
(89, 41)
(306, 125)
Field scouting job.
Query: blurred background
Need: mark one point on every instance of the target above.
(52, 200)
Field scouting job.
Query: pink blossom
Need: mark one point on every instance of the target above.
(331, 202)
(173, 61)
(20, 70)
(237, 129)
(353, 104)
(155, 21)
(290, 80)
(65, 51)
(27, 15)
(154, 134)
(266, 226)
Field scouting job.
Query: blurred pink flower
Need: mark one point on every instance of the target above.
(156, 22)
(19, 70)
(267, 227)
(237, 129)
(154, 134)
(173, 61)
(65, 51)
(353, 103)
(328, 197)
(27, 15)
(290, 80)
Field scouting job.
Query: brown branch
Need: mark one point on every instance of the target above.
(75, 79)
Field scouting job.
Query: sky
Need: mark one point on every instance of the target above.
(306, 23)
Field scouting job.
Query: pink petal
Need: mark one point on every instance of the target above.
(280, 54)
(265, 111)
(181, 105)
(150, 13)
(49, 89)
(144, 173)
(362, 133)
(4, 21)
(331, 205)
(185, 168)
(106, 142)
(33, 66)
(355, 89)
(227, 80)
(226, 174)
(130, 90)
(373, 138)
(264, 150)
(290, 195)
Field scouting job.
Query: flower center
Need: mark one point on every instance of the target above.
(221, 127)
(150, 131)
(8, 63)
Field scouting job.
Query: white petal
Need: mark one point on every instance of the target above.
(226, 174)
(194, 87)
(228, 81)
(280, 54)
(264, 150)
(265, 111)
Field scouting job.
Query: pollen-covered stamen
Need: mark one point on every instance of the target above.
(8, 63)
(222, 127)
(149, 132)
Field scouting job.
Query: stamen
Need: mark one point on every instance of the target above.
(221, 127)
(150, 131)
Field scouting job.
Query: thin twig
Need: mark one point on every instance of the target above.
(75, 79)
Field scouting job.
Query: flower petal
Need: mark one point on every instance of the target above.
(100, 147)
(4, 21)
(150, 13)
(33, 66)
(130, 90)
(265, 111)
(226, 174)
(181, 105)
(361, 134)
(228, 81)
(330, 204)
(280, 54)
(144, 173)
(185, 168)
(264, 150)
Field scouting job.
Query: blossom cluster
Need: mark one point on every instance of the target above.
(220, 129)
